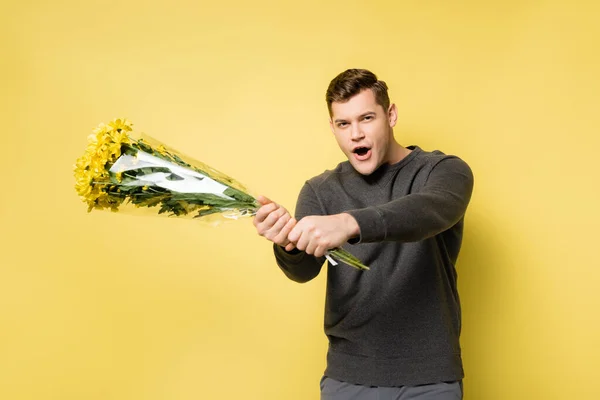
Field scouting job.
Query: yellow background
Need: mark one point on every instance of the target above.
(105, 306)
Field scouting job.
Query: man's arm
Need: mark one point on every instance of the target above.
(437, 207)
(274, 223)
(299, 265)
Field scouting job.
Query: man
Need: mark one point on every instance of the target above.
(393, 330)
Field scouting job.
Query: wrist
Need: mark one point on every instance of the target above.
(351, 226)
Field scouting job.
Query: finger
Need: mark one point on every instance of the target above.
(282, 236)
(290, 247)
(264, 212)
(273, 217)
(264, 200)
(320, 251)
(302, 242)
(312, 246)
(295, 234)
(274, 230)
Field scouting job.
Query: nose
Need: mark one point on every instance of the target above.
(356, 134)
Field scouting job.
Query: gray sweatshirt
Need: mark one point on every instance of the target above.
(399, 322)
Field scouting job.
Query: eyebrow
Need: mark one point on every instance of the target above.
(361, 116)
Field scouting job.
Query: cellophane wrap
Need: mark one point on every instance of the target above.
(123, 171)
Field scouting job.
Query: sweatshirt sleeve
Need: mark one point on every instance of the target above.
(439, 205)
(297, 265)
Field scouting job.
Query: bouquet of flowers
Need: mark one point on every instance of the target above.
(119, 168)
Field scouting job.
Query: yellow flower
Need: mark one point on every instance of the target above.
(119, 137)
(91, 169)
(102, 127)
(120, 125)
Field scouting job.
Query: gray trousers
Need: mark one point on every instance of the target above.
(332, 389)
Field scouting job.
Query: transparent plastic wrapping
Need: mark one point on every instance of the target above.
(125, 172)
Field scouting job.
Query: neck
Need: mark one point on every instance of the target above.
(397, 152)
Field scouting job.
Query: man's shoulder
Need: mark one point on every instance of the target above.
(422, 160)
(318, 180)
(434, 157)
(429, 155)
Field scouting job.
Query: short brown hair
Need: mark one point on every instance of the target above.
(353, 81)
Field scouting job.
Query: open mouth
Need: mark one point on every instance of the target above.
(362, 153)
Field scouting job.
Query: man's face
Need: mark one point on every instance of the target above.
(363, 130)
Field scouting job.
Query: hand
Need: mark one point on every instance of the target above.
(274, 222)
(317, 234)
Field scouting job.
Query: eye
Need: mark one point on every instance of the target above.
(342, 124)
(368, 118)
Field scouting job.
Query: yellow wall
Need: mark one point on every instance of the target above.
(104, 306)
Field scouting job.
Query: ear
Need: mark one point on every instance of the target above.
(392, 115)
